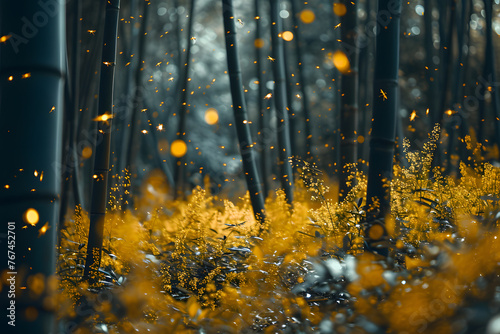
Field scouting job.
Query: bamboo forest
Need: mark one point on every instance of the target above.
(260, 166)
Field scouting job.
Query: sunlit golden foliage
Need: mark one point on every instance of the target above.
(206, 264)
(427, 205)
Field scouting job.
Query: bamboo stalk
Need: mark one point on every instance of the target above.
(446, 50)
(75, 92)
(71, 156)
(132, 140)
(457, 121)
(103, 140)
(31, 109)
(240, 113)
(130, 48)
(429, 54)
(364, 89)
(265, 169)
(349, 98)
(490, 70)
(382, 140)
(302, 80)
(180, 165)
(66, 153)
(286, 173)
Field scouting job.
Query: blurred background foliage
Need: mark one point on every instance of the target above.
(211, 148)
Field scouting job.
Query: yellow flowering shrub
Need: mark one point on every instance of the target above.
(204, 265)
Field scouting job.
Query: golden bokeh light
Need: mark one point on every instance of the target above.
(178, 148)
(376, 232)
(259, 43)
(307, 16)
(31, 216)
(211, 116)
(287, 35)
(361, 139)
(339, 9)
(341, 62)
(86, 152)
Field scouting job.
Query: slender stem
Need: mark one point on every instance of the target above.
(385, 99)
(103, 141)
(240, 113)
(302, 79)
(180, 164)
(71, 156)
(284, 146)
(263, 116)
(457, 120)
(430, 74)
(133, 143)
(446, 52)
(349, 97)
(490, 69)
(128, 87)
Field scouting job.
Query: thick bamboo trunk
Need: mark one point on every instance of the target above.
(31, 109)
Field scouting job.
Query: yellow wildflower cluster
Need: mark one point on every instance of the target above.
(206, 264)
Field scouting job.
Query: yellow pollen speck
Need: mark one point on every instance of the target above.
(5, 38)
(43, 229)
